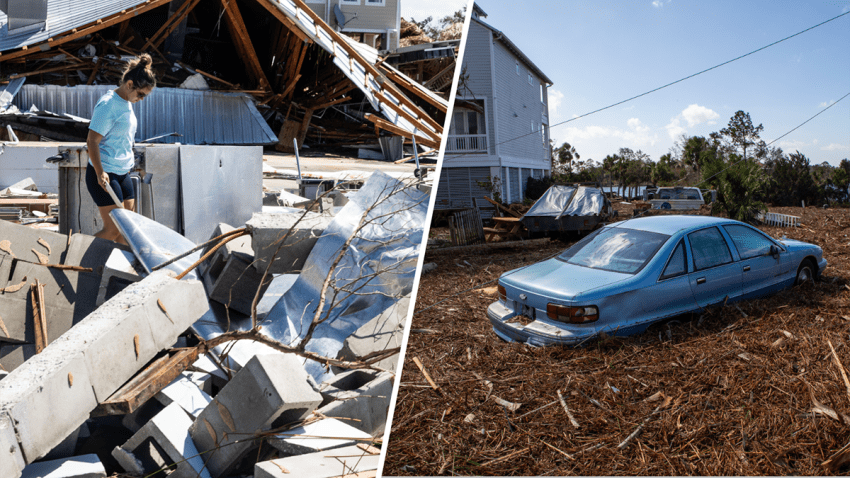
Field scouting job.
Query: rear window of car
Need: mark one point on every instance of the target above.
(615, 249)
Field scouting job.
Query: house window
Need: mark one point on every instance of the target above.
(467, 122)
(543, 129)
(542, 97)
(350, 2)
(467, 132)
(377, 3)
(530, 79)
(517, 68)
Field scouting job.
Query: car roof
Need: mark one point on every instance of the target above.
(671, 224)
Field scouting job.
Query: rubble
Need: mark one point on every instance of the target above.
(268, 228)
(85, 466)
(348, 461)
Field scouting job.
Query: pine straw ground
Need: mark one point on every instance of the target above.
(752, 390)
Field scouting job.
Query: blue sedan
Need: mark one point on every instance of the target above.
(626, 275)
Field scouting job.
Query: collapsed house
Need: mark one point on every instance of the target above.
(297, 73)
(269, 348)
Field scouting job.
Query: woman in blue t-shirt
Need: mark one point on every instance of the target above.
(110, 143)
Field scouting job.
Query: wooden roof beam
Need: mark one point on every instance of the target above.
(239, 33)
(385, 125)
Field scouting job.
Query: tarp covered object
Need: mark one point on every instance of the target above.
(560, 201)
(385, 220)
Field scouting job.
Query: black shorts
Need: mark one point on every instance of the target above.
(121, 184)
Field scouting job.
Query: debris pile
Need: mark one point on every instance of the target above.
(22, 203)
(757, 389)
(304, 79)
(266, 351)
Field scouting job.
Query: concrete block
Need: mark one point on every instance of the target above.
(95, 357)
(23, 239)
(124, 268)
(232, 281)
(34, 393)
(344, 385)
(206, 365)
(269, 391)
(137, 419)
(346, 461)
(85, 466)
(266, 229)
(11, 458)
(185, 393)
(163, 441)
(318, 436)
(204, 381)
(368, 403)
(383, 332)
(90, 251)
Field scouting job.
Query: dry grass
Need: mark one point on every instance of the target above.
(742, 381)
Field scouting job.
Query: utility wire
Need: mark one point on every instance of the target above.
(674, 82)
(417, 312)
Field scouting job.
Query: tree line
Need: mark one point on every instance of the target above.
(748, 174)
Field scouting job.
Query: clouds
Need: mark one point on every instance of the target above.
(692, 115)
(635, 135)
(827, 103)
(836, 147)
(659, 3)
(556, 99)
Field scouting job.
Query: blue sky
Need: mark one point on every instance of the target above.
(601, 52)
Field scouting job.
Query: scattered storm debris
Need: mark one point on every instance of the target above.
(202, 360)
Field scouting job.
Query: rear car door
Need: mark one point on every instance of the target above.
(715, 273)
(759, 269)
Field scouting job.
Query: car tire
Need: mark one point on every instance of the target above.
(806, 272)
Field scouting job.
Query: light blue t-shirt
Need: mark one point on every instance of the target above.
(114, 118)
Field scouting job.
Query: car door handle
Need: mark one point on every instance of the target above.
(701, 280)
(746, 268)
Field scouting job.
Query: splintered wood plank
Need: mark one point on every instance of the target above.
(39, 316)
(170, 25)
(387, 126)
(147, 383)
(409, 117)
(413, 89)
(242, 40)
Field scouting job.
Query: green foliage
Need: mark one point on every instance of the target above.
(740, 134)
(534, 188)
(494, 187)
(662, 172)
(791, 180)
(739, 187)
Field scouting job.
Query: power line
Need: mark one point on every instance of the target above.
(675, 82)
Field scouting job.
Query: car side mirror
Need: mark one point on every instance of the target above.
(774, 251)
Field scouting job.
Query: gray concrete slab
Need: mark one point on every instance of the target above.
(269, 391)
(369, 404)
(381, 333)
(184, 392)
(23, 239)
(232, 280)
(169, 430)
(90, 251)
(85, 466)
(327, 464)
(11, 458)
(267, 229)
(318, 436)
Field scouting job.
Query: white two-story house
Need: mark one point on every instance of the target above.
(499, 132)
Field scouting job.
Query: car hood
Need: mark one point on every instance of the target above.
(557, 279)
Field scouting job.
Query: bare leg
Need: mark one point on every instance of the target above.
(110, 230)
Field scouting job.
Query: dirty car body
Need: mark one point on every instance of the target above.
(625, 276)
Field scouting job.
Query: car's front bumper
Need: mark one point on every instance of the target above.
(821, 266)
(536, 333)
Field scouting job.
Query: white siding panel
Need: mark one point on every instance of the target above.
(479, 84)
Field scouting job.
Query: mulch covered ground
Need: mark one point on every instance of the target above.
(752, 389)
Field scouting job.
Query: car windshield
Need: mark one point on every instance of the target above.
(615, 249)
(678, 194)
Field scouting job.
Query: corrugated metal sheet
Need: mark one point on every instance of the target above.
(62, 16)
(202, 117)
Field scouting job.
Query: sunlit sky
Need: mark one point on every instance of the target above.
(421, 9)
(601, 52)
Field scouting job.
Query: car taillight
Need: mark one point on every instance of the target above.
(572, 315)
(503, 294)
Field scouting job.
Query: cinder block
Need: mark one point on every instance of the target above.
(232, 281)
(185, 393)
(11, 458)
(368, 404)
(204, 364)
(269, 391)
(34, 392)
(267, 229)
(381, 333)
(169, 431)
(318, 436)
(85, 466)
(326, 464)
(122, 266)
(345, 385)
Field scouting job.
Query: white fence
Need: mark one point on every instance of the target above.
(466, 143)
(779, 220)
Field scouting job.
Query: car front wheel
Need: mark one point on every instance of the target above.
(806, 272)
